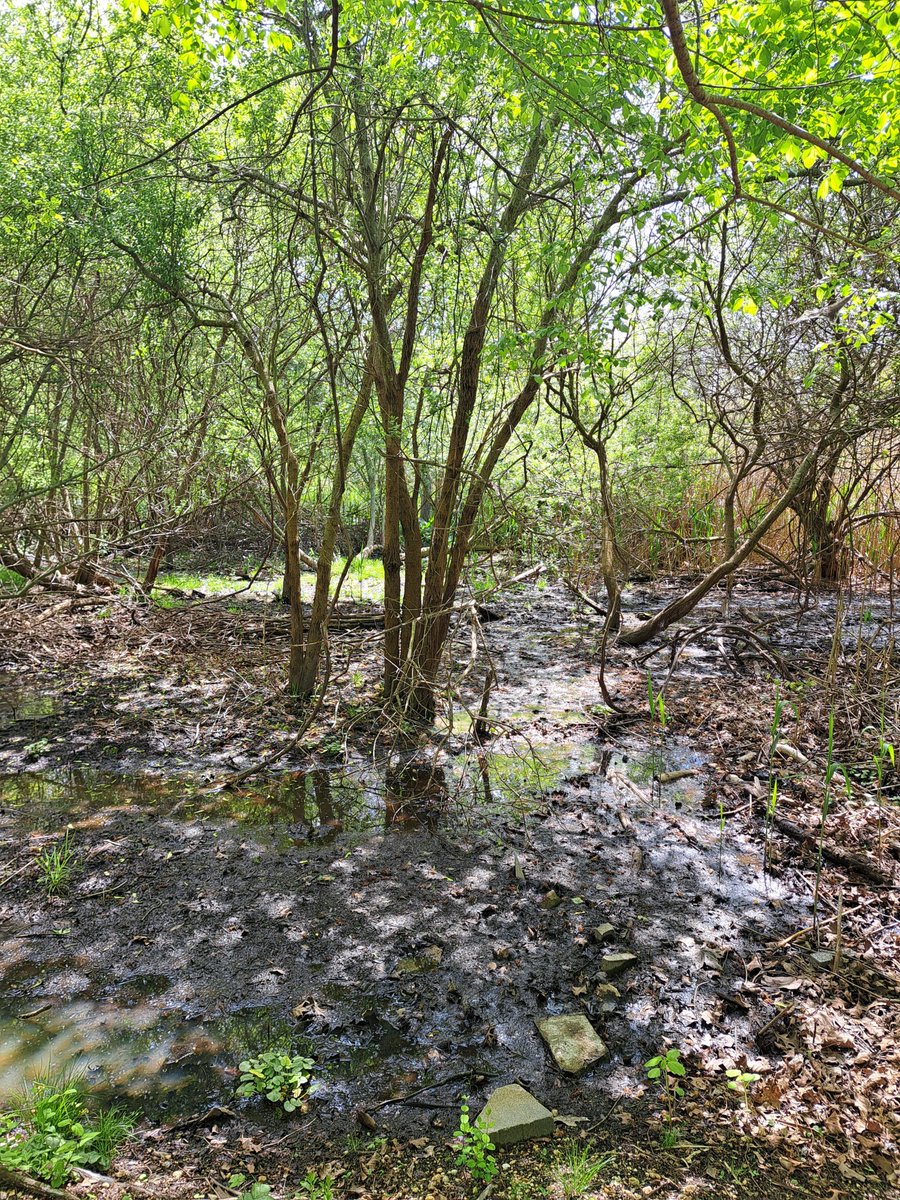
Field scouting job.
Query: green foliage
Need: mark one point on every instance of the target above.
(257, 1191)
(10, 581)
(667, 1068)
(316, 1187)
(669, 1136)
(577, 1169)
(48, 1132)
(282, 1078)
(739, 1081)
(57, 865)
(476, 1151)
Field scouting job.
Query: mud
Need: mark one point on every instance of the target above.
(200, 928)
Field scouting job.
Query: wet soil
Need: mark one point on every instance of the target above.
(401, 907)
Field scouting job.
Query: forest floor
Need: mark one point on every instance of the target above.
(403, 906)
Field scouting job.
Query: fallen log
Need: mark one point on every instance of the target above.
(839, 858)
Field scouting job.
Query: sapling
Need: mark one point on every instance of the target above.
(739, 1081)
(476, 1150)
(668, 1068)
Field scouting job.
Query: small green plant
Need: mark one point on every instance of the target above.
(885, 754)
(476, 1152)
(280, 1077)
(656, 704)
(739, 1081)
(48, 1132)
(316, 1187)
(771, 806)
(667, 1068)
(577, 1169)
(256, 1191)
(669, 1137)
(57, 865)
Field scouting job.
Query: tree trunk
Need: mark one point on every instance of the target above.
(684, 604)
(318, 617)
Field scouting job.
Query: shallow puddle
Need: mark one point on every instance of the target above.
(312, 805)
(131, 1049)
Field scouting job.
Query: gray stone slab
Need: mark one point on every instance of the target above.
(573, 1041)
(514, 1115)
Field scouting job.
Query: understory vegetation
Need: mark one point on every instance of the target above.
(449, 532)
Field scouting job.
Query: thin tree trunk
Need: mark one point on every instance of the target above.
(684, 604)
(318, 616)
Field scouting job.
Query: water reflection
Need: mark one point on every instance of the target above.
(131, 1048)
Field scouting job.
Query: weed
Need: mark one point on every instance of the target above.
(256, 1191)
(885, 753)
(316, 1187)
(57, 865)
(656, 704)
(476, 1152)
(669, 1137)
(774, 736)
(331, 747)
(577, 1169)
(11, 581)
(524, 1189)
(771, 806)
(48, 1131)
(668, 1069)
(280, 1077)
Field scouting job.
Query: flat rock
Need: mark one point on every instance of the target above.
(615, 964)
(573, 1041)
(551, 900)
(513, 1115)
(426, 960)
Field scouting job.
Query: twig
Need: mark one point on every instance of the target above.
(779, 1016)
(428, 1087)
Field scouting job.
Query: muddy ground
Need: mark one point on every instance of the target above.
(404, 906)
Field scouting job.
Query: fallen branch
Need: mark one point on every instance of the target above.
(585, 599)
(31, 1187)
(839, 858)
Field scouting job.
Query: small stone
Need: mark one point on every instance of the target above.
(823, 957)
(551, 900)
(615, 964)
(514, 1115)
(573, 1041)
(602, 933)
